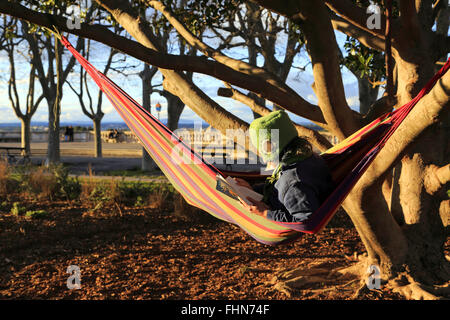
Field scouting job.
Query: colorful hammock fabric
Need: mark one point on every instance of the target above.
(196, 179)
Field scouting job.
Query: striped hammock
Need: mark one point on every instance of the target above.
(196, 179)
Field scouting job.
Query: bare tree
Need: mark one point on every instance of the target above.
(10, 43)
(96, 115)
(51, 82)
(46, 49)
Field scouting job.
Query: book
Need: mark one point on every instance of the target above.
(232, 189)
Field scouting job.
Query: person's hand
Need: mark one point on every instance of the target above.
(257, 207)
(242, 183)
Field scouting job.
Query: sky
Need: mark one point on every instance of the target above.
(129, 80)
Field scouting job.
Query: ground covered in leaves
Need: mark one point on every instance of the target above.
(152, 253)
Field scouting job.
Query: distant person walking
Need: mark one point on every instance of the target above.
(70, 133)
(111, 134)
(66, 134)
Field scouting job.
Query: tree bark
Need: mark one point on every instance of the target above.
(25, 135)
(174, 109)
(313, 136)
(98, 136)
(14, 98)
(367, 95)
(53, 146)
(54, 110)
(417, 239)
(147, 163)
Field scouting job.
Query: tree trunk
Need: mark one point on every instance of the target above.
(404, 229)
(260, 101)
(98, 137)
(54, 110)
(174, 109)
(367, 95)
(147, 163)
(26, 135)
(53, 148)
(412, 245)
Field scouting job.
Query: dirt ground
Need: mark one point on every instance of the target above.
(145, 253)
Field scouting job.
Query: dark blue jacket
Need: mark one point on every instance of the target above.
(300, 190)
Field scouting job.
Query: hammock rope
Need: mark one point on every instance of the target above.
(196, 179)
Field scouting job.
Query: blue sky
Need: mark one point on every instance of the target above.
(300, 81)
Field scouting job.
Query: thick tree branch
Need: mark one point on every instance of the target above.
(440, 47)
(314, 137)
(438, 6)
(209, 51)
(12, 84)
(235, 94)
(409, 19)
(431, 109)
(366, 38)
(436, 177)
(356, 16)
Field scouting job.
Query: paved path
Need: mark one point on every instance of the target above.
(86, 148)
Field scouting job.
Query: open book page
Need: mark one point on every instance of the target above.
(230, 187)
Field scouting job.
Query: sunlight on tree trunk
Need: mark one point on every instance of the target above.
(25, 135)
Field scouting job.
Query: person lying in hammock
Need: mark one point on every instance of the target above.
(301, 180)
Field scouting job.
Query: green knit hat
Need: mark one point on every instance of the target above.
(275, 127)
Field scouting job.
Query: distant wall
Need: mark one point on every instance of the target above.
(207, 136)
(85, 136)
